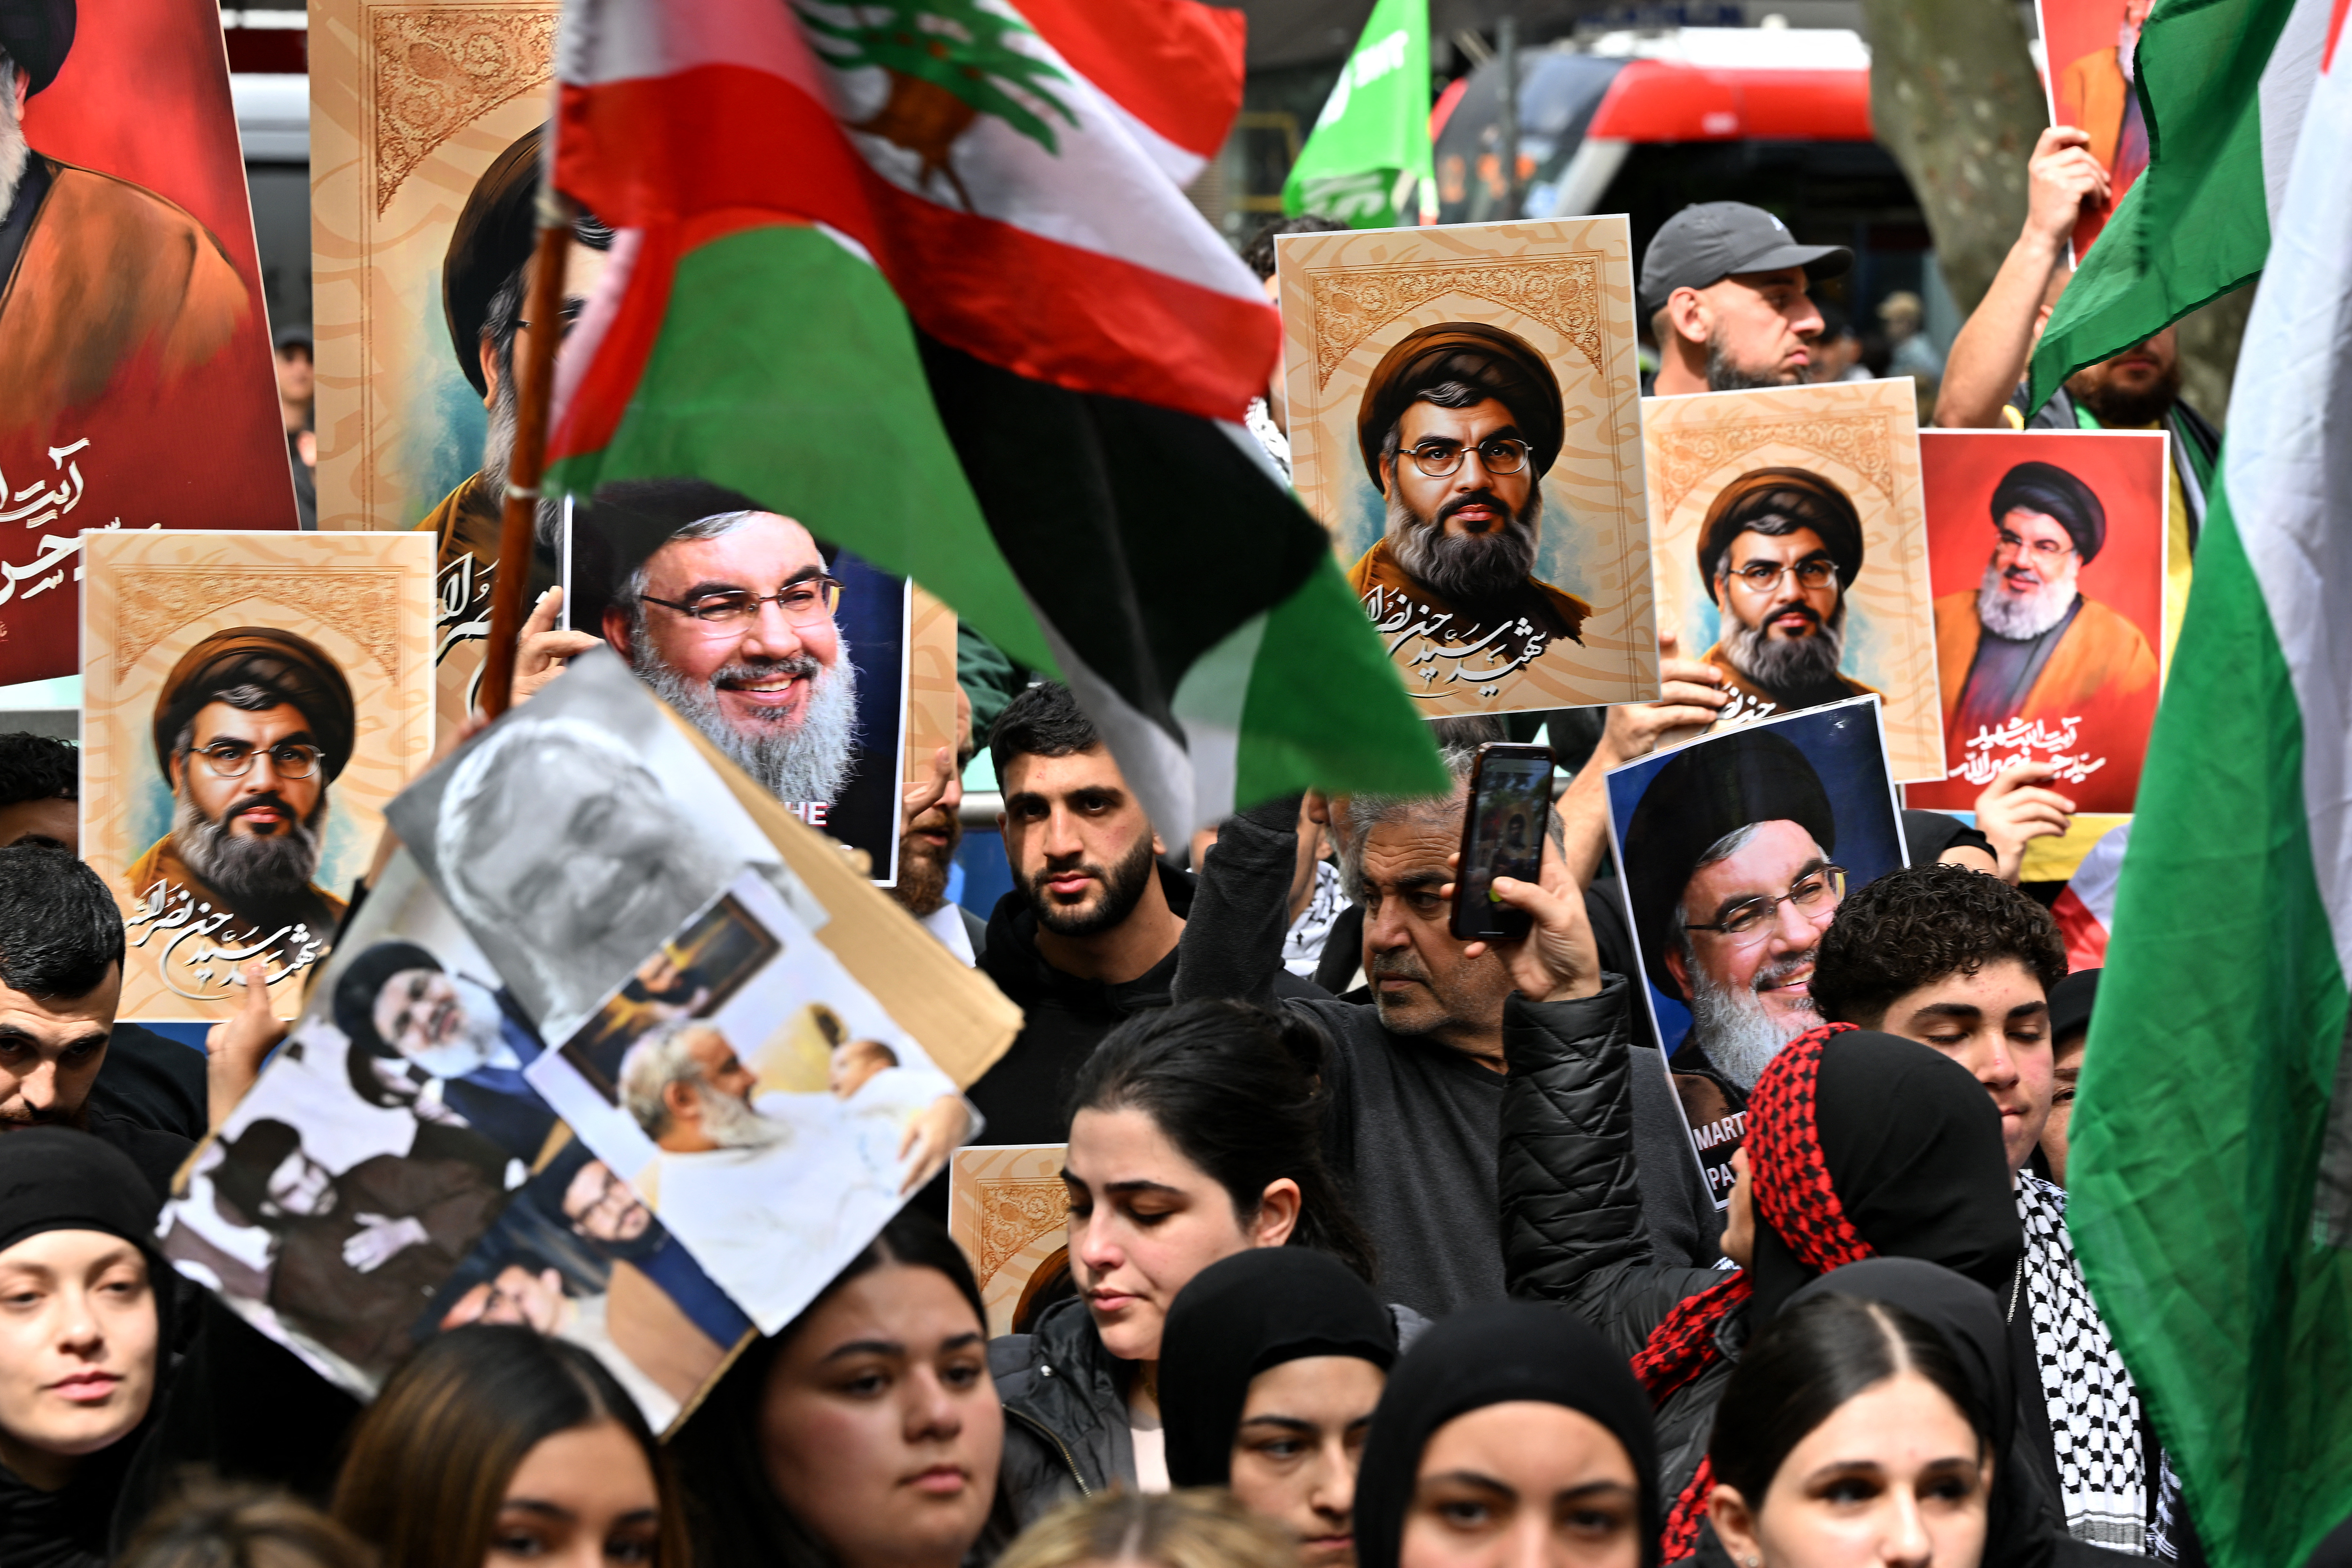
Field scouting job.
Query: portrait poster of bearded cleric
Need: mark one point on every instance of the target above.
(2048, 556)
(1792, 552)
(425, 132)
(394, 1174)
(251, 703)
(1463, 417)
(788, 655)
(136, 384)
(1737, 850)
(2091, 45)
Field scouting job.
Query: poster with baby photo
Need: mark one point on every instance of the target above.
(771, 1113)
(1737, 850)
(394, 1174)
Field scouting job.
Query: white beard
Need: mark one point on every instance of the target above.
(15, 153)
(479, 1042)
(2023, 620)
(732, 1124)
(1735, 1031)
(806, 762)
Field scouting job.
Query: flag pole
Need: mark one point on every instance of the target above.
(534, 372)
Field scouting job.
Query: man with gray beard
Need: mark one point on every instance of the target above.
(2026, 649)
(1458, 425)
(1729, 874)
(1778, 550)
(250, 728)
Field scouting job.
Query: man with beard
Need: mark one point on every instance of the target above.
(2026, 645)
(1728, 873)
(97, 275)
(1778, 551)
(926, 848)
(1725, 285)
(763, 1190)
(250, 728)
(485, 278)
(1417, 1068)
(1087, 935)
(419, 1032)
(568, 862)
(1458, 425)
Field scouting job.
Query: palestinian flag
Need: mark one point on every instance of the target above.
(2221, 85)
(2211, 1146)
(920, 274)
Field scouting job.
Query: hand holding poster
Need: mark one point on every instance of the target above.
(2047, 551)
(1737, 848)
(2089, 45)
(1464, 419)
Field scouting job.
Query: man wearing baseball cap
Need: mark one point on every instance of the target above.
(1724, 284)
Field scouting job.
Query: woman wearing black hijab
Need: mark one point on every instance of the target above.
(1857, 1145)
(81, 1344)
(1270, 1366)
(1464, 1458)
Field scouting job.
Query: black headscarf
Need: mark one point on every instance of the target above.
(55, 1179)
(1968, 1317)
(1239, 1316)
(1494, 1354)
(1912, 1146)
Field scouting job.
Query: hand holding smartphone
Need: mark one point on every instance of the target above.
(1503, 830)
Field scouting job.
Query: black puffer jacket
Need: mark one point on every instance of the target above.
(1065, 1417)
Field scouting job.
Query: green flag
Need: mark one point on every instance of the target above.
(1367, 162)
(2223, 84)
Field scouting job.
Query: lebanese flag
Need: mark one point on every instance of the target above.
(920, 274)
(2085, 906)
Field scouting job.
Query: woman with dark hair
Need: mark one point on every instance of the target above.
(1509, 1433)
(866, 1433)
(1851, 1433)
(1195, 1135)
(1270, 1366)
(494, 1446)
(1857, 1146)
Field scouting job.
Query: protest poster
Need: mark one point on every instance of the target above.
(1750, 492)
(1737, 850)
(2088, 47)
(392, 1175)
(1518, 578)
(136, 385)
(424, 122)
(251, 703)
(2047, 553)
(1009, 1210)
(807, 692)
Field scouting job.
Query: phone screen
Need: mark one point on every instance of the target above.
(1506, 839)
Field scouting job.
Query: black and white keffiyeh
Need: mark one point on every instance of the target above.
(2094, 1410)
(1302, 945)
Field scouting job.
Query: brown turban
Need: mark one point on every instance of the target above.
(1503, 366)
(1778, 501)
(293, 668)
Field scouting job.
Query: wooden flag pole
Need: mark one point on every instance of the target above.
(534, 374)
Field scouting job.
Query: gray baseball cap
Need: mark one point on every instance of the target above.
(1709, 241)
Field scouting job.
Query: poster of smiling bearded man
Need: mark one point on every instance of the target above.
(1464, 416)
(788, 655)
(1792, 552)
(251, 702)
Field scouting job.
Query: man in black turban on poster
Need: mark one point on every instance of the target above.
(97, 275)
(251, 727)
(2026, 645)
(1728, 871)
(1458, 425)
(484, 280)
(1778, 551)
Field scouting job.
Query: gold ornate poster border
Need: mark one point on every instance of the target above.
(1014, 1213)
(1862, 442)
(436, 69)
(1351, 303)
(156, 600)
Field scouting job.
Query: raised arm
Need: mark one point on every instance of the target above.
(1232, 945)
(1988, 356)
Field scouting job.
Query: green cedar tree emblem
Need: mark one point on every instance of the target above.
(949, 62)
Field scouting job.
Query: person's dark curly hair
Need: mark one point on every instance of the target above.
(38, 767)
(1918, 924)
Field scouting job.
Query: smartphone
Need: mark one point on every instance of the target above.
(1502, 835)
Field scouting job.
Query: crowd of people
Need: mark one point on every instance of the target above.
(1385, 1248)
